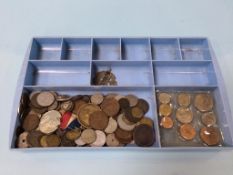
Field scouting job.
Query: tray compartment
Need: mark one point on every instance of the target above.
(135, 49)
(106, 49)
(77, 49)
(46, 49)
(127, 73)
(165, 49)
(58, 73)
(182, 73)
(195, 49)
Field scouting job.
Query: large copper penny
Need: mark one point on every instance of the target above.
(110, 106)
(73, 134)
(123, 136)
(165, 110)
(144, 135)
(98, 120)
(187, 131)
(143, 104)
(166, 122)
(31, 122)
(184, 115)
(210, 135)
(184, 99)
(203, 102)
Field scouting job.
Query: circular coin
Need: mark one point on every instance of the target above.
(208, 119)
(54, 106)
(146, 121)
(164, 98)
(100, 139)
(98, 120)
(123, 125)
(165, 110)
(133, 100)
(53, 140)
(110, 106)
(187, 132)
(184, 115)
(184, 99)
(166, 122)
(77, 105)
(79, 142)
(43, 141)
(137, 112)
(203, 102)
(112, 126)
(123, 136)
(31, 122)
(88, 136)
(210, 135)
(66, 142)
(97, 98)
(45, 99)
(22, 140)
(129, 116)
(143, 104)
(34, 137)
(144, 135)
(73, 134)
(124, 103)
(67, 105)
(112, 141)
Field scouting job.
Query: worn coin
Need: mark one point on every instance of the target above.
(22, 140)
(164, 98)
(85, 112)
(184, 115)
(66, 142)
(100, 139)
(124, 103)
(110, 106)
(203, 102)
(45, 99)
(184, 99)
(133, 100)
(166, 122)
(31, 122)
(77, 105)
(43, 141)
(165, 110)
(54, 106)
(187, 131)
(112, 126)
(118, 97)
(123, 136)
(112, 141)
(73, 134)
(123, 125)
(53, 140)
(34, 137)
(208, 119)
(129, 114)
(79, 142)
(98, 120)
(144, 135)
(62, 98)
(67, 105)
(146, 121)
(137, 112)
(88, 136)
(33, 99)
(143, 104)
(210, 135)
(97, 98)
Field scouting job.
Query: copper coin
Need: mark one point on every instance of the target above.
(210, 135)
(77, 105)
(53, 140)
(137, 112)
(166, 122)
(66, 142)
(73, 134)
(143, 104)
(110, 106)
(34, 137)
(124, 103)
(97, 98)
(203, 102)
(146, 121)
(123, 136)
(22, 140)
(112, 126)
(112, 141)
(100, 139)
(45, 99)
(187, 131)
(165, 110)
(208, 119)
(184, 99)
(133, 100)
(164, 98)
(98, 120)
(85, 112)
(88, 136)
(144, 135)
(129, 116)
(31, 122)
(184, 115)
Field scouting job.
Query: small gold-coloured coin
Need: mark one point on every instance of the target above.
(53, 140)
(165, 110)
(184, 115)
(137, 112)
(166, 122)
(187, 131)
(208, 119)
(210, 135)
(73, 134)
(146, 121)
(184, 99)
(88, 136)
(97, 98)
(203, 102)
(43, 141)
(164, 98)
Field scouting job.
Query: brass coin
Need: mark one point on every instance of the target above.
(112, 126)
(129, 116)
(133, 100)
(110, 106)
(34, 137)
(100, 139)
(112, 141)
(210, 135)
(165, 110)
(85, 112)
(166, 122)
(31, 122)
(53, 140)
(187, 131)
(88, 136)
(98, 120)
(164, 98)
(146, 121)
(73, 134)
(123, 136)
(184, 115)
(208, 119)
(22, 140)
(137, 112)
(203, 102)
(43, 141)
(184, 99)
(67, 105)
(97, 99)
(143, 104)
(77, 105)
(66, 142)
(45, 99)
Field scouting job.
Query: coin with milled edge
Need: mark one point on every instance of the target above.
(203, 102)
(187, 131)
(184, 99)
(97, 98)
(164, 98)
(22, 140)
(88, 136)
(112, 126)
(112, 141)
(110, 106)
(98, 120)
(208, 119)
(133, 100)
(165, 110)
(184, 115)
(45, 99)
(166, 122)
(100, 139)
(210, 135)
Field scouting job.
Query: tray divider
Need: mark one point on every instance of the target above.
(120, 49)
(150, 49)
(180, 51)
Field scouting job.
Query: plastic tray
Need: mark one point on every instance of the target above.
(142, 66)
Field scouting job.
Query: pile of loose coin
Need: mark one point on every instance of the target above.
(105, 78)
(52, 120)
(182, 106)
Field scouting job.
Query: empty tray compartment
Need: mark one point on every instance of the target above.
(165, 49)
(76, 49)
(195, 49)
(135, 49)
(58, 74)
(127, 73)
(106, 49)
(184, 73)
(46, 49)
